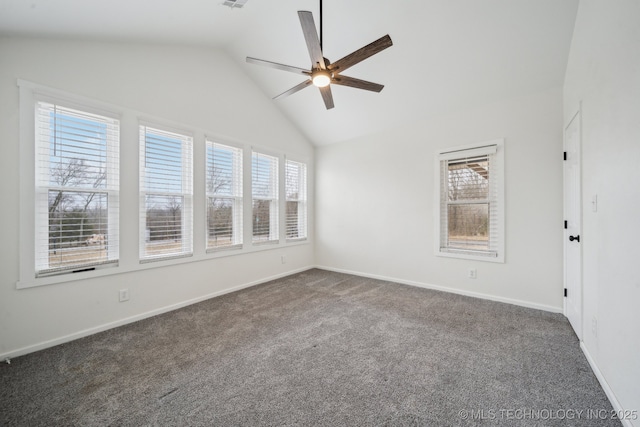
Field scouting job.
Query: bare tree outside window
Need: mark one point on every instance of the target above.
(468, 208)
(166, 186)
(224, 195)
(264, 179)
(471, 210)
(73, 149)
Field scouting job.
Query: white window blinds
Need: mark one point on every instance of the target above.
(264, 187)
(77, 175)
(469, 204)
(296, 200)
(224, 196)
(166, 194)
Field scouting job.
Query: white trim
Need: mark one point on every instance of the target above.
(166, 262)
(462, 153)
(106, 326)
(295, 158)
(480, 295)
(465, 147)
(27, 183)
(462, 254)
(605, 385)
(163, 125)
(499, 168)
(70, 100)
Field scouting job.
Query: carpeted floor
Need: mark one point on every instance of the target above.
(315, 348)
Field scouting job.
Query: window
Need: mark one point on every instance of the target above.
(166, 194)
(224, 196)
(75, 151)
(76, 226)
(296, 201)
(471, 214)
(264, 187)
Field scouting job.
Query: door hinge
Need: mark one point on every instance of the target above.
(565, 292)
(566, 225)
(564, 157)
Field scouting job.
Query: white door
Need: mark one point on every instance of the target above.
(573, 226)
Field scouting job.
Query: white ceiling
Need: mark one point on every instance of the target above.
(447, 54)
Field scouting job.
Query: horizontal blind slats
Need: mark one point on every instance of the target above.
(296, 200)
(77, 196)
(224, 196)
(264, 187)
(166, 208)
(468, 202)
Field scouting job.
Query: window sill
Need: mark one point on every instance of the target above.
(470, 255)
(297, 239)
(128, 266)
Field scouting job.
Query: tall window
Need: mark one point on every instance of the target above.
(224, 196)
(76, 189)
(471, 203)
(264, 185)
(296, 202)
(166, 194)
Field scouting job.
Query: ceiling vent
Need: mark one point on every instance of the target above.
(234, 3)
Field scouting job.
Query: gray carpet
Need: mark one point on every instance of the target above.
(315, 348)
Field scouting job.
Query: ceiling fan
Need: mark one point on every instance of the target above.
(323, 72)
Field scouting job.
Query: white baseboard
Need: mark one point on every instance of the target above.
(521, 303)
(90, 331)
(605, 385)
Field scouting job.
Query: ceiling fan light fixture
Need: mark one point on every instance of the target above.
(321, 78)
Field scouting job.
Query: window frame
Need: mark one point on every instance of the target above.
(237, 196)
(301, 200)
(186, 193)
(30, 94)
(274, 200)
(496, 173)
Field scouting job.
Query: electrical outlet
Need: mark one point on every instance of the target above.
(283, 258)
(473, 273)
(594, 326)
(124, 295)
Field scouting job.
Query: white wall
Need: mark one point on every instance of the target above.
(375, 202)
(195, 87)
(604, 74)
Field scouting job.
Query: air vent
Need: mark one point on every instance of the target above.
(234, 3)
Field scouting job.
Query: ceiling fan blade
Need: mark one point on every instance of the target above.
(311, 37)
(327, 97)
(275, 65)
(357, 83)
(361, 54)
(294, 89)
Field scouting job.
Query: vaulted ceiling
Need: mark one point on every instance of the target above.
(447, 54)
